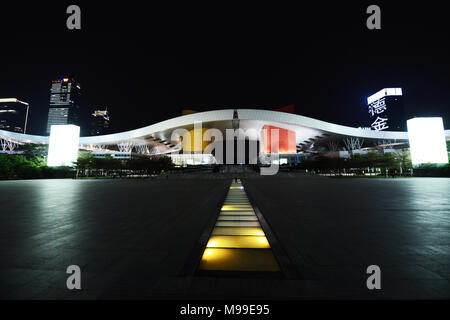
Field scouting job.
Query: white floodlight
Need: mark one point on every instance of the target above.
(427, 140)
(63, 146)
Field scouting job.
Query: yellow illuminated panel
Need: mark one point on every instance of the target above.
(236, 207)
(237, 218)
(238, 242)
(243, 231)
(193, 140)
(237, 224)
(238, 213)
(239, 260)
(247, 209)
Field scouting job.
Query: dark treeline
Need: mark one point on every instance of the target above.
(15, 166)
(88, 166)
(399, 163)
(31, 164)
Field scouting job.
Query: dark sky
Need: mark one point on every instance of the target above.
(147, 63)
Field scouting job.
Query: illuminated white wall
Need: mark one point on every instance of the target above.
(63, 145)
(427, 141)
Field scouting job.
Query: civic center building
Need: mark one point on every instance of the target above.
(298, 137)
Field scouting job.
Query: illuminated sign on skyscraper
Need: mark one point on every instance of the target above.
(385, 110)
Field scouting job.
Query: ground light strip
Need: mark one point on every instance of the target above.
(237, 242)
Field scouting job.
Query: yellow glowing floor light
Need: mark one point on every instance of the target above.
(238, 213)
(237, 242)
(235, 207)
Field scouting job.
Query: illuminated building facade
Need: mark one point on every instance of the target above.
(188, 139)
(65, 105)
(286, 140)
(100, 122)
(14, 115)
(385, 110)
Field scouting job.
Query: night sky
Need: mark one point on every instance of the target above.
(147, 63)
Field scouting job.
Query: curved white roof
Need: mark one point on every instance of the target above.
(305, 128)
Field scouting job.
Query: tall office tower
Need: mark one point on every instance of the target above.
(65, 95)
(14, 115)
(100, 122)
(385, 110)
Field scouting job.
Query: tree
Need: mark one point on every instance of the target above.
(84, 163)
(31, 149)
(18, 166)
(6, 167)
(403, 159)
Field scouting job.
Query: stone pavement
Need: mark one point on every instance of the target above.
(133, 238)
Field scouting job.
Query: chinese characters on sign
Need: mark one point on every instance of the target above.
(380, 124)
(377, 108)
(380, 117)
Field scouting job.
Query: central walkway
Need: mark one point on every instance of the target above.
(237, 242)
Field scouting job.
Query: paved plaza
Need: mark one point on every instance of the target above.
(135, 239)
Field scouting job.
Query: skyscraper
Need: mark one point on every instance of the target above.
(13, 115)
(65, 95)
(385, 109)
(100, 122)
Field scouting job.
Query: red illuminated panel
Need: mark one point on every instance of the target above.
(286, 142)
(288, 109)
